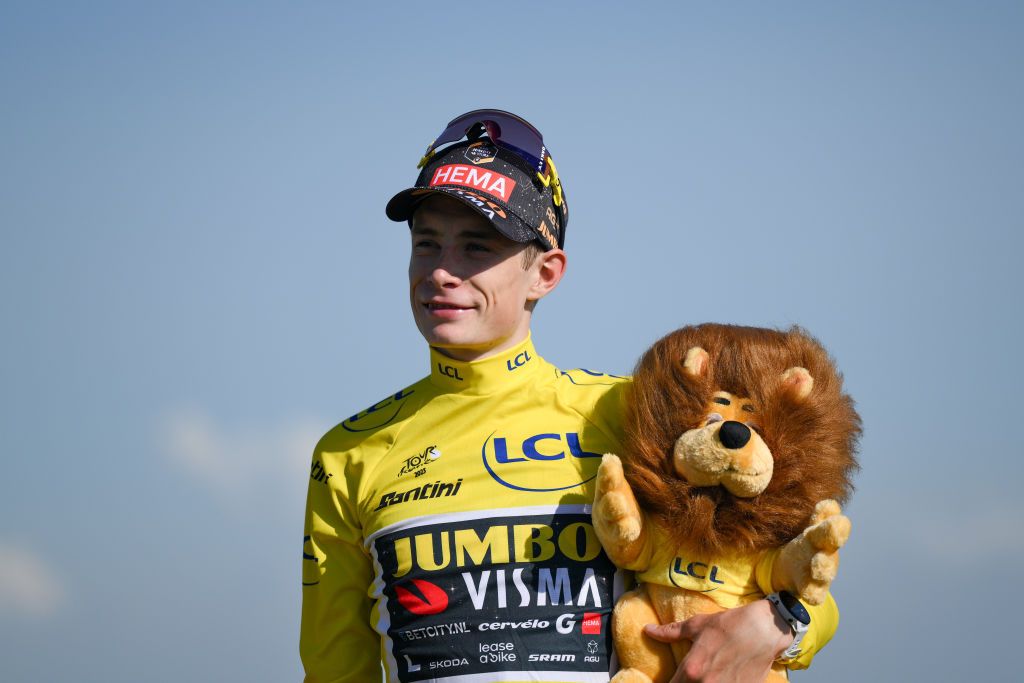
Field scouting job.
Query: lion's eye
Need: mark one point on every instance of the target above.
(747, 408)
(721, 400)
(713, 418)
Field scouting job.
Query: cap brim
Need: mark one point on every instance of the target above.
(403, 205)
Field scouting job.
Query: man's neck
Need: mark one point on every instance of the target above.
(468, 354)
(499, 371)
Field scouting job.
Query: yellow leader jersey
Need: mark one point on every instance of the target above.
(448, 532)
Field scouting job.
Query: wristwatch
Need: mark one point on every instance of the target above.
(795, 614)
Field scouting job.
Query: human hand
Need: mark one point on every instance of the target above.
(737, 645)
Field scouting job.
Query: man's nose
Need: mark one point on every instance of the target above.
(443, 278)
(445, 271)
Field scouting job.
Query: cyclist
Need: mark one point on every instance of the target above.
(448, 533)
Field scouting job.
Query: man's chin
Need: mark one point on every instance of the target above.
(460, 347)
(444, 337)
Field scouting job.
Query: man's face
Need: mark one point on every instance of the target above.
(467, 284)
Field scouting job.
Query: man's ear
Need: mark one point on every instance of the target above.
(549, 268)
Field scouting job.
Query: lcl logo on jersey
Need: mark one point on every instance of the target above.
(686, 571)
(377, 415)
(502, 459)
(519, 361)
(449, 371)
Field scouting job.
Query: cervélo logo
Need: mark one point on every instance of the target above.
(504, 457)
(487, 181)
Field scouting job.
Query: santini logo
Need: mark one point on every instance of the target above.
(436, 490)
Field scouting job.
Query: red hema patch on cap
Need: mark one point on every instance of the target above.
(491, 182)
(591, 623)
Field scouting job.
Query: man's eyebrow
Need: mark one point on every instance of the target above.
(480, 234)
(469, 234)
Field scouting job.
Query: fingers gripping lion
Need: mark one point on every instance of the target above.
(740, 445)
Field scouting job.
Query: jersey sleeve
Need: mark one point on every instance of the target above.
(824, 621)
(336, 643)
(824, 617)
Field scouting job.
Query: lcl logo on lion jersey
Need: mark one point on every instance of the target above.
(471, 597)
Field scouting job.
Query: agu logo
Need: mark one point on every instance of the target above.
(431, 599)
(506, 460)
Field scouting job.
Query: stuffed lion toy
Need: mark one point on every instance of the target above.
(739, 447)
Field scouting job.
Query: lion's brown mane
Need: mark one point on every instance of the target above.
(813, 442)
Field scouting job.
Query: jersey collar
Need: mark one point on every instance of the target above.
(487, 375)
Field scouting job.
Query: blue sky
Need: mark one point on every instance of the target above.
(197, 278)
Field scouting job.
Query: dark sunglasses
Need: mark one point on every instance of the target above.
(511, 132)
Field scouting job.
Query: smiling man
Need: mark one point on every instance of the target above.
(472, 289)
(448, 531)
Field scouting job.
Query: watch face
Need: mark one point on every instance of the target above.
(795, 607)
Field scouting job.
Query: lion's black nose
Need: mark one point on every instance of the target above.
(734, 434)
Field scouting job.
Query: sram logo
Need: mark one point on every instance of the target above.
(501, 456)
(552, 658)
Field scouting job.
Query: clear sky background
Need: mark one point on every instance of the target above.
(197, 279)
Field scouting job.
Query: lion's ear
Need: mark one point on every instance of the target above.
(797, 382)
(696, 362)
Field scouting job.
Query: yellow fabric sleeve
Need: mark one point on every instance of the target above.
(824, 617)
(337, 643)
(824, 621)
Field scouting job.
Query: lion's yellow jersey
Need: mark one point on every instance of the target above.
(732, 581)
(448, 533)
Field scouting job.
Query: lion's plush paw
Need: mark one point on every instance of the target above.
(617, 517)
(614, 505)
(610, 475)
(809, 563)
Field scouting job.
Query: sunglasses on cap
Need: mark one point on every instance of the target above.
(512, 132)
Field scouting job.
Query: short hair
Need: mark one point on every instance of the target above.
(530, 253)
